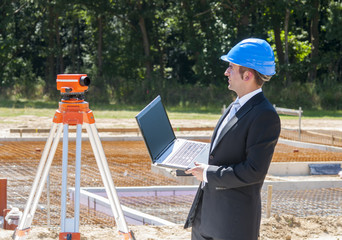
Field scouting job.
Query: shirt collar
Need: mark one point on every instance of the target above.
(248, 96)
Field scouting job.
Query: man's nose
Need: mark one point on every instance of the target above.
(227, 72)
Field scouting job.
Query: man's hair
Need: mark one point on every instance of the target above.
(259, 78)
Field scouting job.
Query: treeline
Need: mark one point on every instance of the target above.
(135, 49)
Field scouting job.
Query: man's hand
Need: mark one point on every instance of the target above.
(197, 171)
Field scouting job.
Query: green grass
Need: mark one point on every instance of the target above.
(15, 112)
(115, 111)
(317, 114)
(323, 114)
(47, 109)
(4, 103)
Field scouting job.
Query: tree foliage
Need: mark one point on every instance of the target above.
(136, 49)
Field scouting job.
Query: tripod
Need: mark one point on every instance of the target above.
(71, 112)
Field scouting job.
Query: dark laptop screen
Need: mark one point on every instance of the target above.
(155, 127)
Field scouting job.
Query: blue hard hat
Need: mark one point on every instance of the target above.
(253, 53)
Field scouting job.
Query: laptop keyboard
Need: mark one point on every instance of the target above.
(186, 153)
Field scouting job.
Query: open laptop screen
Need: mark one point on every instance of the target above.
(155, 127)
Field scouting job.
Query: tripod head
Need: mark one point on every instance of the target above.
(72, 86)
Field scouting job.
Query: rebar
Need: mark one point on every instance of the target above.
(130, 165)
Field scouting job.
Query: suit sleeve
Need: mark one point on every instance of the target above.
(260, 143)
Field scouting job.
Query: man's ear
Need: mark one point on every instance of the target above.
(247, 75)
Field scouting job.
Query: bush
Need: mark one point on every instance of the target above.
(295, 95)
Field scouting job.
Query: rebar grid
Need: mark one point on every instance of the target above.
(286, 153)
(300, 203)
(130, 165)
(303, 203)
(325, 137)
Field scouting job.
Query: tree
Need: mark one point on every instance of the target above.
(314, 38)
(133, 50)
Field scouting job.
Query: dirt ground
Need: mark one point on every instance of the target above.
(276, 227)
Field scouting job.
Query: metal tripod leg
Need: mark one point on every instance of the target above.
(43, 170)
(107, 180)
(64, 176)
(77, 178)
(38, 183)
(71, 225)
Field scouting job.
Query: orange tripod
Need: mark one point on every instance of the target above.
(73, 110)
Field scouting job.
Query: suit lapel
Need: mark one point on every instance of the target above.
(238, 116)
(219, 123)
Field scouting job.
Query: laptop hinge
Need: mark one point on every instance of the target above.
(165, 149)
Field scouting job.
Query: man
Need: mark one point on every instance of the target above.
(227, 205)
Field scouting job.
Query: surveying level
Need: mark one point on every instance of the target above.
(72, 86)
(73, 110)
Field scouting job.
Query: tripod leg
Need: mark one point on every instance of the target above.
(39, 181)
(70, 226)
(64, 175)
(107, 179)
(77, 177)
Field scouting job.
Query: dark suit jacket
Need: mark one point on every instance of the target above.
(230, 201)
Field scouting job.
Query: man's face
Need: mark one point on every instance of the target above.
(234, 77)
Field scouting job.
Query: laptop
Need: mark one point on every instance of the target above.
(163, 146)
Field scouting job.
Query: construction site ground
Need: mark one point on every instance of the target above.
(295, 214)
